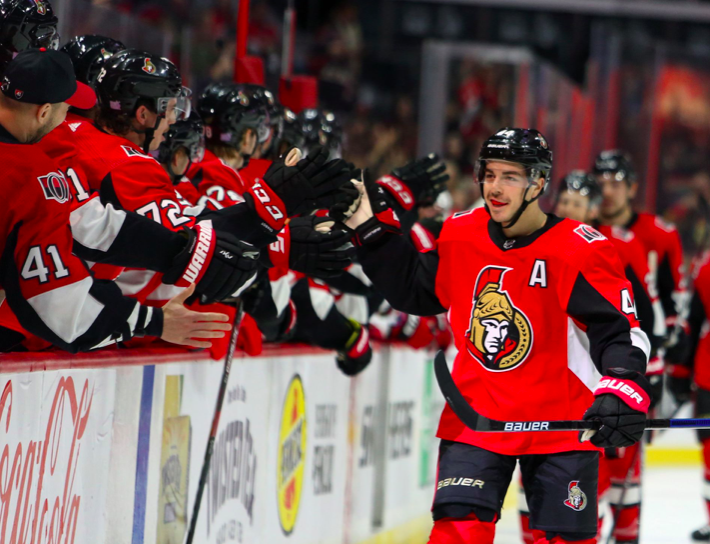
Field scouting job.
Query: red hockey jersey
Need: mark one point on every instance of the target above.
(665, 263)
(48, 288)
(698, 322)
(537, 320)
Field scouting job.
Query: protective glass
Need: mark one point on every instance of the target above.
(45, 36)
(175, 108)
(263, 131)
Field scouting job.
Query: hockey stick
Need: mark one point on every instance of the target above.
(476, 422)
(215, 420)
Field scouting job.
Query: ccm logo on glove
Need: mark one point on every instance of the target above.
(264, 198)
(626, 390)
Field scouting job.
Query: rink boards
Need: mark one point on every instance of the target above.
(303, 453)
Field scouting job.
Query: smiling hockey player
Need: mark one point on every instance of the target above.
(545, 326)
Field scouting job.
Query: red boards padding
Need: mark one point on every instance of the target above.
(249, 70)
(299, 92)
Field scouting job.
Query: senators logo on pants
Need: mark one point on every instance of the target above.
(499, 336)
(577, 499)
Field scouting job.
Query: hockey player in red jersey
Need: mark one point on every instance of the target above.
(47, 286)
(698, 366)
(616, 176)
(543, 319)
(578, 198)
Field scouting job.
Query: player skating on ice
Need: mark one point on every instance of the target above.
(544, 322)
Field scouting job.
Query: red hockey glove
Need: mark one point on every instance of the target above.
(621, 404)
(357, 353)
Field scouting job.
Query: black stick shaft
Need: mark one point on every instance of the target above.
(477, 422)
(215, 421)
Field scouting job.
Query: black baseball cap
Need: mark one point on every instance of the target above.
(45, 76)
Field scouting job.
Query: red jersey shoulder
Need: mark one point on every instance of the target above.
(653, 223)
(43, 179)
(255, 169)
(476, 218)
(215, 172)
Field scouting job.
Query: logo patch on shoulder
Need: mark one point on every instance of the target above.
(589, 234)
(131, 152)
(55, 187)
(499, 336)
(576, 499)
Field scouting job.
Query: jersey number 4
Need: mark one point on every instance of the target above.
(34, 266)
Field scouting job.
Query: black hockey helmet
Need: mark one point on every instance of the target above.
(25, 24)
(187, 134)
(272, 124)
(524, 146)
(88, 53)
(322, 128)
(131, 76)
(616, 164)
(583, 183)
(291, 132)
(228, 110)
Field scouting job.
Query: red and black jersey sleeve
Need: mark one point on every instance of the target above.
(600, 299)
(142, 186)
(50, 289)
(671, 286)
(403, 275)
(699, 341)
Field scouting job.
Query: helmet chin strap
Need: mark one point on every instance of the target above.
(518, 214)
(176, 177)
(149, 133)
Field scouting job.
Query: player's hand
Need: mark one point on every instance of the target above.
(364, 209)
(680, 382)
(319, 247)
(344, 210)
(188, 328)
(621, 404)
(232, 266)
(621, 426)
(311, 184)
(374, 217)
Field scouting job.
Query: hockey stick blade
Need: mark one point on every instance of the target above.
(476, 422)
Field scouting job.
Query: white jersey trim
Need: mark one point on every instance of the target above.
(68, 311)
(579, 361)
(96, 226)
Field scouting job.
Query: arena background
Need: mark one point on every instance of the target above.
(125, 434)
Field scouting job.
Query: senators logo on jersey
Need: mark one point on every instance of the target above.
(55, 187)
(499, 336)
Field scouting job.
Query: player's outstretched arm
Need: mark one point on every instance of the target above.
(406, 277)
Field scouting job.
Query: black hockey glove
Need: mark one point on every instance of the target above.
(621, 404)
(679, 379)
(217, 262)
(357, 353)
(384, 218)
(345, 209)
(311, 184)
(319, 247)
(421, 179)
(677, 346)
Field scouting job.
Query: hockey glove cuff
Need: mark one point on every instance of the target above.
(357, 353)
(190, 265)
